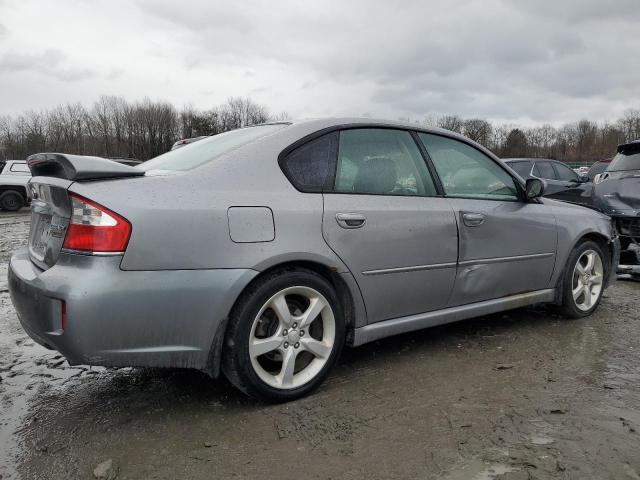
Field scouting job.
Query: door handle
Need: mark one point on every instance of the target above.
(350, 220)
(473, 219)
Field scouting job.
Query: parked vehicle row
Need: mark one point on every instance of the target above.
(611, 186)
(563, 183)
(291, 240)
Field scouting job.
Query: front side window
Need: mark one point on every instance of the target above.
(310, 166)
(381, 162)
(565, 173)
(544, 170)
(521, 168)
(467, 172)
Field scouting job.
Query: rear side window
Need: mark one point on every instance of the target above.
(544, 170)
(20, 168)
(522, 168)
(310, 167)
(198, 153)
(466, 172)
(625, 161)
(381, 161)
(565, 173)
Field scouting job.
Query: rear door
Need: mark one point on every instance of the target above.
(506, 246)
(385, 220)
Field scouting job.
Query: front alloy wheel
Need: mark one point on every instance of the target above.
(583, 279)
(588, 278)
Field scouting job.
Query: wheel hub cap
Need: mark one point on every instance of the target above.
(293, 336)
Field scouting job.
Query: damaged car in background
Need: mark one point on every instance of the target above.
(291, 240)
(617, 194)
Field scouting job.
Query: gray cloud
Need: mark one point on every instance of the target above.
(3, 30)
(543, 61)
(50, 62)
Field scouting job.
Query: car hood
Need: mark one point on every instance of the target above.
(618, 193)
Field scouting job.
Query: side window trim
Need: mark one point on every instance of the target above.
(516, 182)
(430, 166)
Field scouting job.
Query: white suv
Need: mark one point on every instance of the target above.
(14, 175)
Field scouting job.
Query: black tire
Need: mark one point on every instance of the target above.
(12, 201)
(236, 361)
(569, 306)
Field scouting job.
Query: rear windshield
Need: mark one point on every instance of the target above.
(197, 153)
(622, 162)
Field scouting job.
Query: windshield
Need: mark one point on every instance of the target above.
(622, 162)
(197, 153)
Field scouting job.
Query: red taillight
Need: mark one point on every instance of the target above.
(93, 228)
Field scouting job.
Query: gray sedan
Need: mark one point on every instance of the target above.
(261, 252)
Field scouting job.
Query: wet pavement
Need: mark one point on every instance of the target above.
(523, 395)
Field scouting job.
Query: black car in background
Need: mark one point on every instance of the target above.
(562, 182)
(617, 193)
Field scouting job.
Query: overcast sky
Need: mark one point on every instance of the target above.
(506, 60)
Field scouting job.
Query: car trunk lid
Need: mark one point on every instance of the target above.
(51, 205)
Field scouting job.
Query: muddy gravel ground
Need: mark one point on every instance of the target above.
(521, 395)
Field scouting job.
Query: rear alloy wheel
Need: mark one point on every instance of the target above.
(584, 280)
(284, 336)
(11, 201)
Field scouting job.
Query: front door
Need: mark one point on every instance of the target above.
(387, 224)
(506, 246)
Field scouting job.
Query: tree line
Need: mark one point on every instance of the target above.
(114, 127)
(584, 141)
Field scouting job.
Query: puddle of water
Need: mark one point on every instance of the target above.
(541, 440)
(478, 470)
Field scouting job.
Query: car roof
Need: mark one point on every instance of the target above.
(328, 122)
(312, 126)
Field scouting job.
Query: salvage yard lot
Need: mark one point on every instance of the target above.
(525, 394)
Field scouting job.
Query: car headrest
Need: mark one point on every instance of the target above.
(376, 175)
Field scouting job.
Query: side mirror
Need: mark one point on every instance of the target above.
(535, 188)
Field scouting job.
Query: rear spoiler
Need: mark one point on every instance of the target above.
(629, 148)
(77, 167)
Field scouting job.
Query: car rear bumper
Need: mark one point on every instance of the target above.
(163, 318)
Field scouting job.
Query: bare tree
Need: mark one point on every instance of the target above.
(477, 130)
(451, 122)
